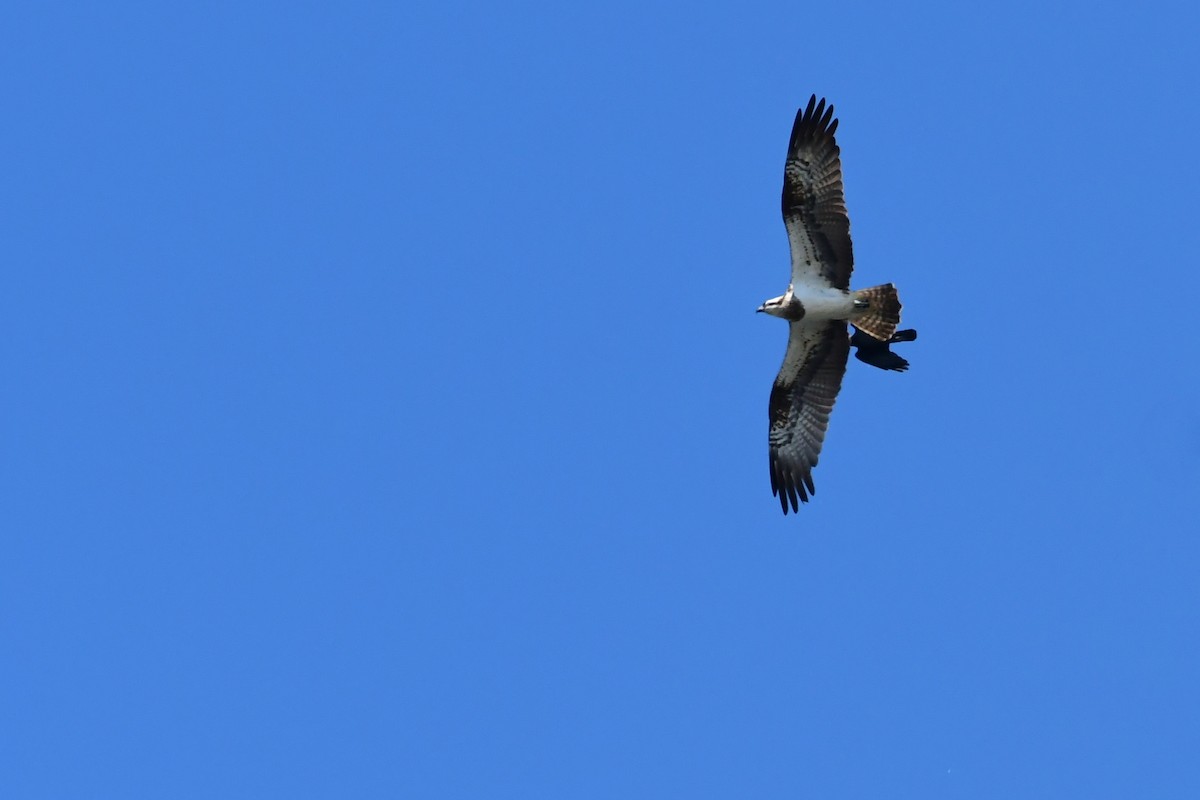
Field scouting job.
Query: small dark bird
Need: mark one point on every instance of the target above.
(870, 350)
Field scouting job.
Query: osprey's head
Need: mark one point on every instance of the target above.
(785, 306)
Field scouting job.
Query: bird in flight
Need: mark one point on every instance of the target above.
(818, 304)
(870, 350)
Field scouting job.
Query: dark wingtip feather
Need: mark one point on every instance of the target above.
(827, 118)
(813, 122)
(792, 493)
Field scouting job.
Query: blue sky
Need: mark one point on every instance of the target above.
(385, 411)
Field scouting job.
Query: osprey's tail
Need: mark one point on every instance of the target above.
(882, 312)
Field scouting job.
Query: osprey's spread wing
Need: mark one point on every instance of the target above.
(801, 400)
(814, 206)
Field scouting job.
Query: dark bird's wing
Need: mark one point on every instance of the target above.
(814, 206)
(870, 350)
(801, 400)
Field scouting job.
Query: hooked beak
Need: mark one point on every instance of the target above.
(761, 308)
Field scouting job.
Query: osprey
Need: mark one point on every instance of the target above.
(817, 305)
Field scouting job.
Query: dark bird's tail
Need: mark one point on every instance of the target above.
(881, 314)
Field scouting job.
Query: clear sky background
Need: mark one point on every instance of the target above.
(385, 408)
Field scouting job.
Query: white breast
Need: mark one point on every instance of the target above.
(825, 303)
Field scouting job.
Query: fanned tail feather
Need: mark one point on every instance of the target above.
(882, 315)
